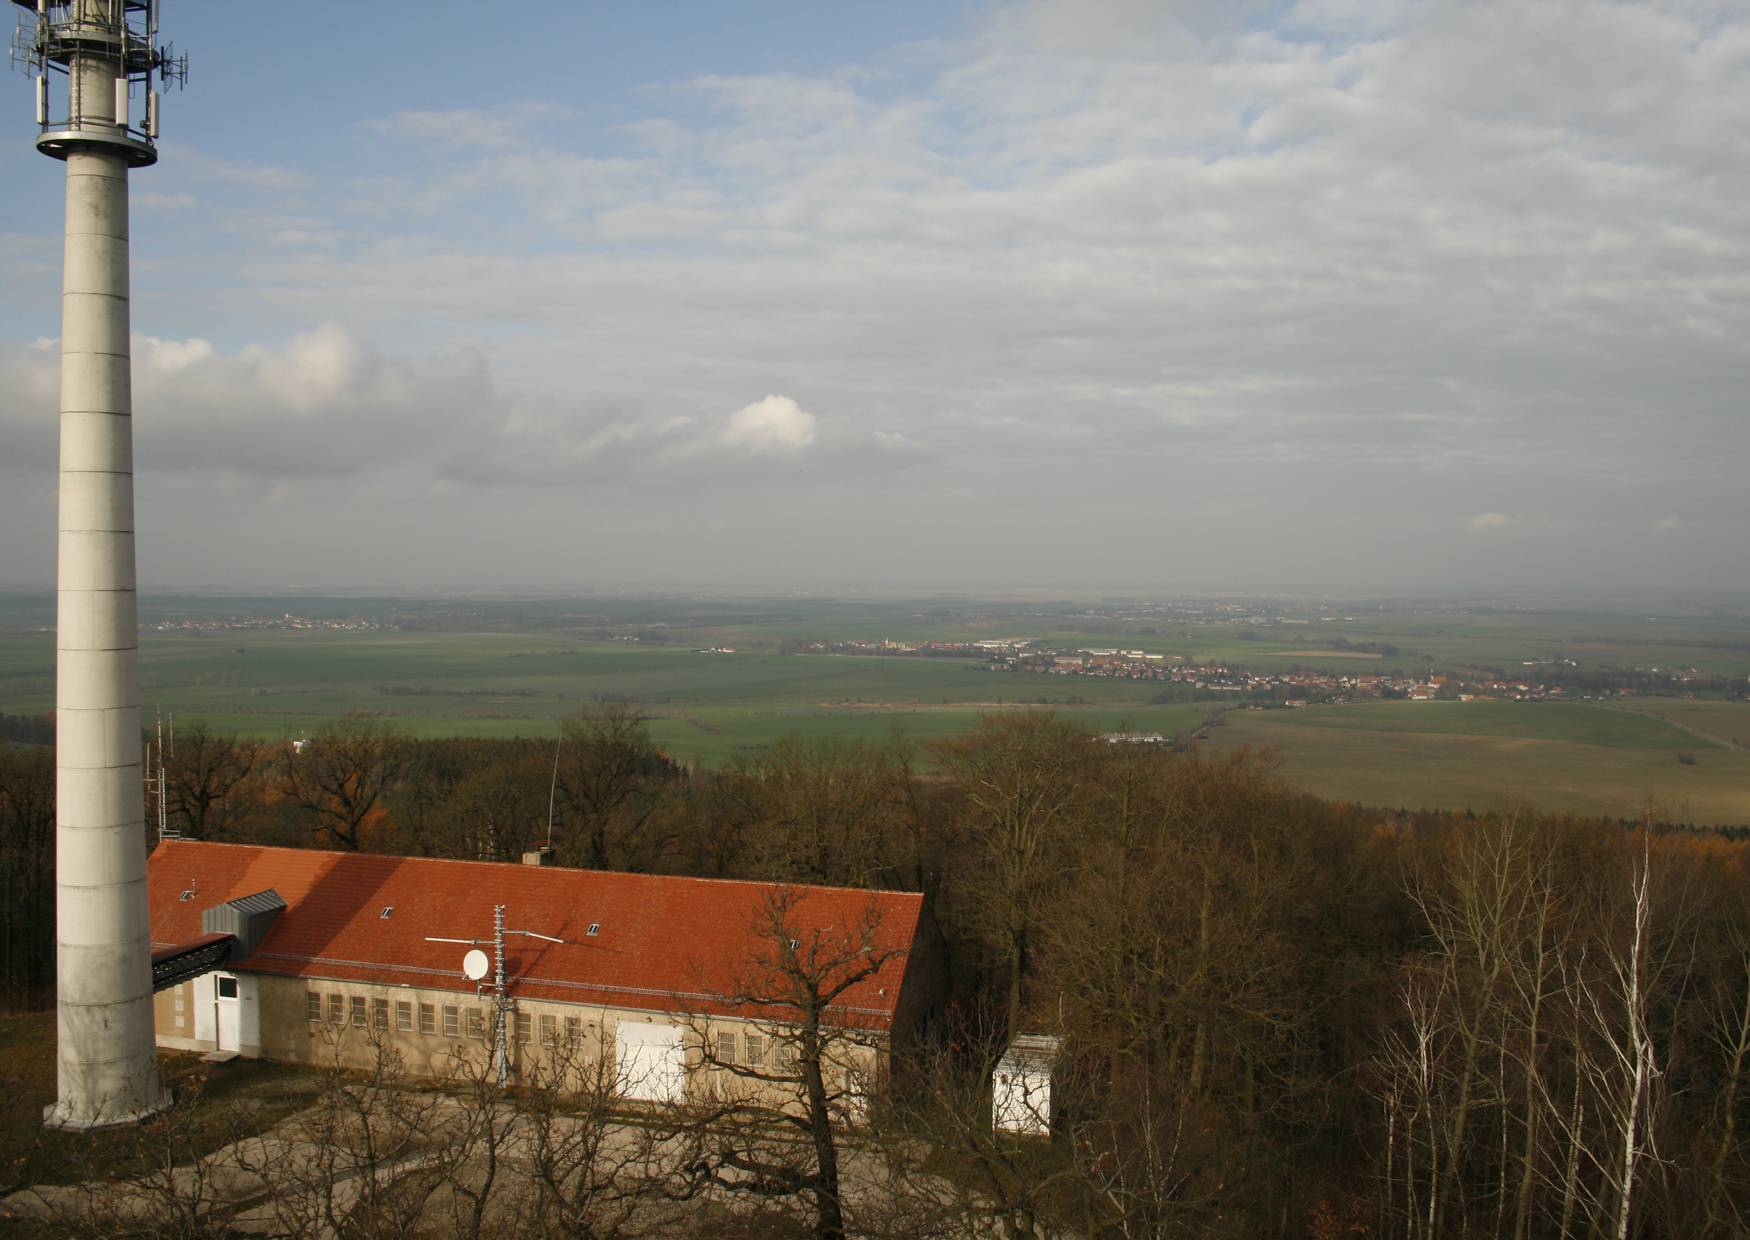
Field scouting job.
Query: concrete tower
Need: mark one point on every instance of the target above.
(108, 1070)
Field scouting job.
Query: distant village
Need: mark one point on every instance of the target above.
(1212, 681)
(227, 624)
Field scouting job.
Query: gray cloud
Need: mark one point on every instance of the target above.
(1217, 288)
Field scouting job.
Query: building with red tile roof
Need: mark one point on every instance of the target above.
(352, 948)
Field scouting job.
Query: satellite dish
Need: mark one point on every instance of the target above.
(475, 964)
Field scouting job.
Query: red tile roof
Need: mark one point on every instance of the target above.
(665, 943)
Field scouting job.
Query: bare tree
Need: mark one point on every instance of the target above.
(342, 776)
(1626, 1074)
(27, 874)
(209, 792)
(768, 1114)
(1729, 1028)
(365, 1159)
(1020, 777)
(612, 781)
(818, 810)
(593, 1174)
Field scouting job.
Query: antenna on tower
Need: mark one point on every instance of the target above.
(553, 786)
(474, 967)
(53, 36)
(157, 782)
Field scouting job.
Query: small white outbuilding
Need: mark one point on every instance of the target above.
(1020, 1093)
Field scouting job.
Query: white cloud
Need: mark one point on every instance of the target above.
(776, 423)
(170, 355)
(1490, 521)
(1668, 523)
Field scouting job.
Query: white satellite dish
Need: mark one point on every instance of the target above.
(475, 964)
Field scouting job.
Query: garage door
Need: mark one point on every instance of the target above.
(652, 1061)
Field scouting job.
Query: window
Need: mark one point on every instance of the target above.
(227, 987)
(336, 1010)
(756, 1050)
(726, 1048)
(356, 1007)
(403, 1016)
(573, 1030)
(477, 1024)
(379, 1013)
(595, 928)
(523, 1020)
(384, 915)
(427, 1018)
(452, 1022)
(549, 1030)
(312, 1007)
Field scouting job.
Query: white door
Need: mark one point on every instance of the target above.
(225, 1012)
(652, 1061)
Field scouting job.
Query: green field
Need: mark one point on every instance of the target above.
(1486, 755)
(1725, 723)
(703, 707)
(1574, 722)
(515, 667)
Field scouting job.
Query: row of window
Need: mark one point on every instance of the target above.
(360, 1012)
(351, 1010)
(753, 1046)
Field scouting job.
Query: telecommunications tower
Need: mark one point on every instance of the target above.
(107, 1070)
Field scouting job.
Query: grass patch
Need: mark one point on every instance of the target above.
(1575, 722)
(227, 1101)
(1430, 769)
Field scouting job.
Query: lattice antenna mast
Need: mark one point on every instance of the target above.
(157, 783)
(474, 967)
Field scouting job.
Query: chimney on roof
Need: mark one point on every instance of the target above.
(542, 856)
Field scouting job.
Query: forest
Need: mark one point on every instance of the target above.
(1278, 1015)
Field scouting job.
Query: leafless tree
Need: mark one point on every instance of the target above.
(818, 810)
(1021, 779)
(210, 793)
(365, 1159)
(594, 1173)
(342, 776)
(612, 786)
(768, 1117)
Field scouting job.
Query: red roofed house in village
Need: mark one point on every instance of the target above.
(331, 949)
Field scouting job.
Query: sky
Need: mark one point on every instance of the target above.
(1135, 296)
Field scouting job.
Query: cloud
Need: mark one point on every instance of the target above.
(170, 356)
(325, 402)
(1124, 255)
(1667, 524)
(775, 424)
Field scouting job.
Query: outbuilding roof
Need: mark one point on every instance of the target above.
(660, 943)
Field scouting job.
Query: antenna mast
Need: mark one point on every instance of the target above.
(503, 1006)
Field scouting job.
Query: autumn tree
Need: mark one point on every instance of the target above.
(340, 779)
